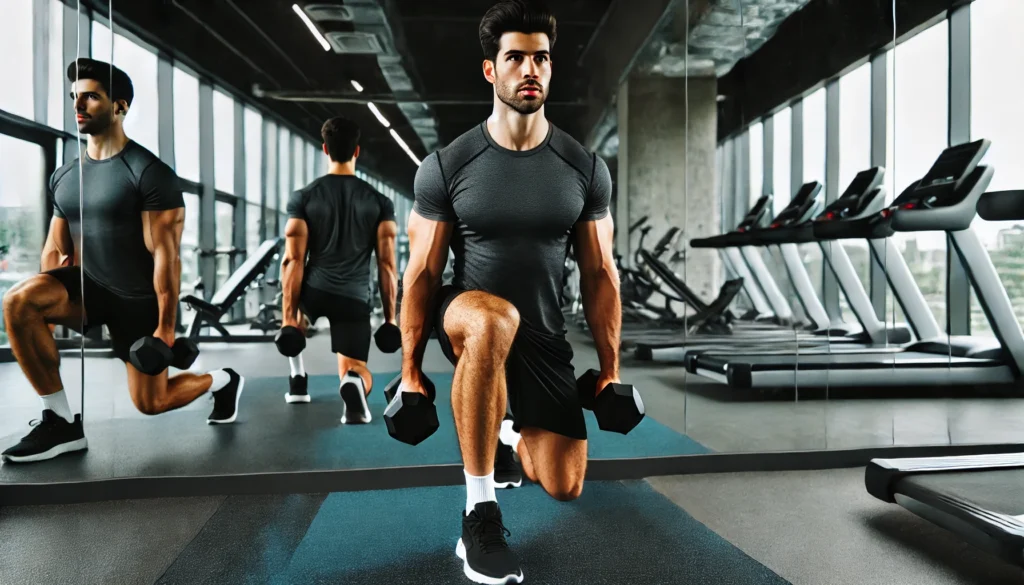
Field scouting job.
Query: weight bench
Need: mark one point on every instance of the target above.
(209, 313)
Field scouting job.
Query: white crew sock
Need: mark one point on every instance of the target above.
(220, 379)
(296, 365)
(508, 436)
(58, 403)
(479, 489)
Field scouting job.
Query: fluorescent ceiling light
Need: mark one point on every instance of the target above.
(312, 27)
(356, 85)
(379, 115)
(404, 146)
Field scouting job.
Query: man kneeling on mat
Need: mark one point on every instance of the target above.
(340, 220)
(130, 235)
(508, 197)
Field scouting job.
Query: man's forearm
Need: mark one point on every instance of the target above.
(387, 277)
(603, 310)
(166, 282)
(50, 259)
(418, 291)
(291, 288)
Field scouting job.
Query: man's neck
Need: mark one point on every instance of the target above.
(106, 145)
(516, 131)
(345, 168)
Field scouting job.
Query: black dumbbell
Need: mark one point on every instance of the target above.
(618, 407)
(388, 338)
(151, 356)
(290, 341)
(410, 416)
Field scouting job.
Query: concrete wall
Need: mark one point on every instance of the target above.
(667, 168)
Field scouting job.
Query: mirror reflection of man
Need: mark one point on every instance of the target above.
(116, 265)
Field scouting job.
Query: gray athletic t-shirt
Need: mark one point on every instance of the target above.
(117, 191)
(514, 213)
(342, 213)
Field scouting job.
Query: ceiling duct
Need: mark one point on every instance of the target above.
(374, 35)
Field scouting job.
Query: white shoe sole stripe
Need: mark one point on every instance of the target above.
(460, 551)
(69, 447)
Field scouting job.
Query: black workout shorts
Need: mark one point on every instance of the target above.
(538, 373)
(127, 318)
(349, 318)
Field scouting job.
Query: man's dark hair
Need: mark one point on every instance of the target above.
(341, 136)
(523, 16)
(115, 82)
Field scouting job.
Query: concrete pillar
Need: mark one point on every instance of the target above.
(667, 168)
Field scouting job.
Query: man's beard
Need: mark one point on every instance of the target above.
(94, 126)
(511, 98)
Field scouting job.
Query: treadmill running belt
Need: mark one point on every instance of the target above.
(837, 361)
(997, 490)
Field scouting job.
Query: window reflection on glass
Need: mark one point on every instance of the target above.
(284, 168)
(756, 133)
(223, 142)
(921, 121)
(15, 47)
(23, 213)
(57, 100)
(298, 163)
(998, 115)
(782, 155)
(224, 239)
(190, 242)
(814, 170)
(854, 157)
(186, 125)
(141, 124)
(253, 157)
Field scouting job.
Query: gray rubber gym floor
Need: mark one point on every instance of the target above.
(813, 528)
(714, 417)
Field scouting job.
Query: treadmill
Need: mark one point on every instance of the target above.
(945, 199)
(979, 497)
(796, 225)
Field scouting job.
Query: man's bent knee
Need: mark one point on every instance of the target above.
(18, 302)
(146, 405)
(565, 490)
(494, 326)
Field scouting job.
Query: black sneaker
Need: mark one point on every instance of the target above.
(297, 390)
(353, 396)
(506, 471)
(225, 400)
(485, 553)
(50, 437)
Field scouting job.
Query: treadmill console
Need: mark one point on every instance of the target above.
(942, 186)
(864, 195)
(755, 217)
(804, 204)
(946, 198)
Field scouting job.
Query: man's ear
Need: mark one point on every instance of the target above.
(488, 68)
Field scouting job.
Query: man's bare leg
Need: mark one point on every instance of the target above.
(481, 328)
(29, 307)
(558, 463)
(161, 393)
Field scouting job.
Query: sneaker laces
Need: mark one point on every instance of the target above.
(491, 533)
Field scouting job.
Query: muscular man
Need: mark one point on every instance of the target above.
(340, 220)
(129, 237)
(509, 196)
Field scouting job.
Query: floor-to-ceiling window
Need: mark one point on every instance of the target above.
(141, 124)
(186, 124)
(920, 123)
(854, 157)
(997, 113)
